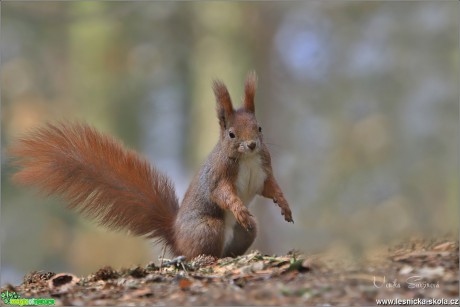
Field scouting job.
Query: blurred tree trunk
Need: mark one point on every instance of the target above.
(214, 54)
(91, 37)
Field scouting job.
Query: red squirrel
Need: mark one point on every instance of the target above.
(118, 188)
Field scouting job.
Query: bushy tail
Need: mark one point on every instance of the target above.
(99, 178)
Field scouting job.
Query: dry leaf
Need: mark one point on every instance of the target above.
(444, 246)
(63, 279)
(184, 283)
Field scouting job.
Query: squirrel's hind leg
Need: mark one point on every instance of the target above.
(242, 240)
(203, 237)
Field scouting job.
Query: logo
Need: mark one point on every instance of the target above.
(12, 298)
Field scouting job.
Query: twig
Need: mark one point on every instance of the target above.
(162, 257)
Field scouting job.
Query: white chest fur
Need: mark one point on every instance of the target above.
(249, 182)
(251, 178)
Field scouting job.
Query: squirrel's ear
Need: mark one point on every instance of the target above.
(224, 103)
(250, 91)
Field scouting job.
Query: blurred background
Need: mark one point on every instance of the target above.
(359, 102)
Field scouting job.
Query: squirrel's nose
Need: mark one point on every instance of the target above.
(252, 145)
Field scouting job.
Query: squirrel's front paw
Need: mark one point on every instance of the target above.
(286, 212)
(244, 218)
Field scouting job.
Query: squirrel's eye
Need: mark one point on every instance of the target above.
(260, 129)
(231, 134)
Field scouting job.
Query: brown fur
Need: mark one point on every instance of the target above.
(98, 178)
(118, 188)
(224, 105)
(250, 91)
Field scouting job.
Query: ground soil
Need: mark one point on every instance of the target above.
(416, 269)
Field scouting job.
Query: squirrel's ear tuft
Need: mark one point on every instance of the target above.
(224, 103)
(250, 91)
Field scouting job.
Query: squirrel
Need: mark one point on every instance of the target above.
(119, 189)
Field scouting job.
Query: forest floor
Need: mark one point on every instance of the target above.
(417, 269)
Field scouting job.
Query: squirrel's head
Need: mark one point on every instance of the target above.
(240, 133)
